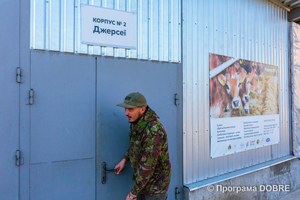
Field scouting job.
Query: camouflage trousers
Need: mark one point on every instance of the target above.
(160, 197)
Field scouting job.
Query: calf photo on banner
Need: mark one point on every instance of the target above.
(244, 106)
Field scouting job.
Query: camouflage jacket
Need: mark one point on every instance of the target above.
(149, 156)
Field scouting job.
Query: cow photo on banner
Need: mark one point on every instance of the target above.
(244, 106)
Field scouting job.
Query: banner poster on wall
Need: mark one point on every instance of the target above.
(244, 107)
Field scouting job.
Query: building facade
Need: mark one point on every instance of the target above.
(62, 129)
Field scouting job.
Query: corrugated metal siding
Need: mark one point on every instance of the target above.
(55, 26)
(255, 30)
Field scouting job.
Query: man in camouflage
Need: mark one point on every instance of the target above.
(148, 151)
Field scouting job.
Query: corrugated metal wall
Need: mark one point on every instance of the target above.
(55, 26)
(295, 76)
(255, 30)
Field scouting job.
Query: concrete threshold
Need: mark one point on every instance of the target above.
(293, 195)
(248, 170)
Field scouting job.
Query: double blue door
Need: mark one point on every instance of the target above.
(74, 126)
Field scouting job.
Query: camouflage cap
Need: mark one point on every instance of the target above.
(134, 100)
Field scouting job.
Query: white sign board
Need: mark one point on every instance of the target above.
(243, 133)
(107, 27)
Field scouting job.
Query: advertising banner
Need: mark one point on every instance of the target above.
(107, 27)
(244, 107)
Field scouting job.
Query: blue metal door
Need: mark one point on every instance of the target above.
(9, 131)
(9, 127)
(75, 124)
(158, 83)
(62, 123)
(9, 99)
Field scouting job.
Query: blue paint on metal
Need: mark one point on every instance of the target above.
(62, 142)
(25, 86)
(9, 100)
(115, 79)
(76, 125)
(74, 179)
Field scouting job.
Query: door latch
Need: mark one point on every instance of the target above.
(104, 171)
(176, 99)
(30, 97)
(18, 78)
(176, 192)
(19, 160)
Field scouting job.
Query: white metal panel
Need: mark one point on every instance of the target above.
(55, 26)
(249, 29)
(295, 65)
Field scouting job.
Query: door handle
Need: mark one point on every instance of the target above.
(104, 171)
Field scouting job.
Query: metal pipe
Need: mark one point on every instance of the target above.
(295, 3)
(280, 5)
(221, 67)
(286, 2)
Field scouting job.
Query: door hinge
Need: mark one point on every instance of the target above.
(18, 78)
(19, 159)
(30, 97)
(176, 99)
(176, 192)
